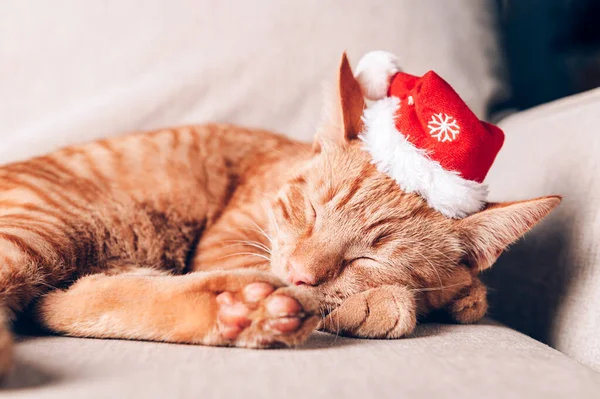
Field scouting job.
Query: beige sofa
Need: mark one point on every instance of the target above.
(73, 71)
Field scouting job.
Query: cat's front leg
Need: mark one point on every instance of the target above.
(243, 308)
(388, 311)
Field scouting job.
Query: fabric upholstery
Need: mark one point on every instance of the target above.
(73, 71)
(548, 285)
(441, 361)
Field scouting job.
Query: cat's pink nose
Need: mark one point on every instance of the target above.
(296, 276)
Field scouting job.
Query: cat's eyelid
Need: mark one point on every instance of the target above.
(383, 235)
(369, 258)
(365, 257)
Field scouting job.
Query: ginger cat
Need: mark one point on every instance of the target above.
(220, 235)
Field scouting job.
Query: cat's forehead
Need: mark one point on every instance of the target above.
(339, 166)
(345, 180)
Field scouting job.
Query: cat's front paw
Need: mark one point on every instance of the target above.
(470, 305)
(263, 316)
(384, 312)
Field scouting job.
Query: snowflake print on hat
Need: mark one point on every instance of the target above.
(443, 127)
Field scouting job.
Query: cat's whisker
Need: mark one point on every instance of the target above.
(245, 253)
(278, 151)
(254, 244)
(338, 326)
(241, 245)
(257, 227)
(47, 285)
(436, 288)
(441, 253)
(390, 267)
(258, 231)
(271, 216)
(433, 268)
(306, 151)
(264, 233)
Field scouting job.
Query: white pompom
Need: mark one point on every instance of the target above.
(374, 71)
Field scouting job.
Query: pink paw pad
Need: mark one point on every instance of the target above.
(284, 325)
(286, 312)
(257, 291)
(280, 306)
(283, 314)
(233, 316)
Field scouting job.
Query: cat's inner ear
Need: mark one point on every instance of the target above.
(351, 100)
(487, 233)
(344, 119)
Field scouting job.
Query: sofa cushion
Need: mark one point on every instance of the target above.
(73, 71)
(549, 284)
(443, 361)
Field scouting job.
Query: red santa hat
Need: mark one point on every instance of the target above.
(423, 135)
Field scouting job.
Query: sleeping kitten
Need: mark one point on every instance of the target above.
(220, 235)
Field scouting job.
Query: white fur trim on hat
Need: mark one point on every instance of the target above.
(374, 71)
(446, 191)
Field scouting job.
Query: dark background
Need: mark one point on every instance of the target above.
(552, 49)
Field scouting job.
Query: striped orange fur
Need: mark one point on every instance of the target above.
(222, 235)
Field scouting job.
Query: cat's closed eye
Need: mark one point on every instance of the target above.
(382, 238)
(361, 258)
(363, 261)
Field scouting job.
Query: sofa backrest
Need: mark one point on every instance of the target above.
(548, 285)
(72, 71)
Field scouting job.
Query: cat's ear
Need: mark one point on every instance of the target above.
(487, 233)
(344, 120)
(351, 101)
